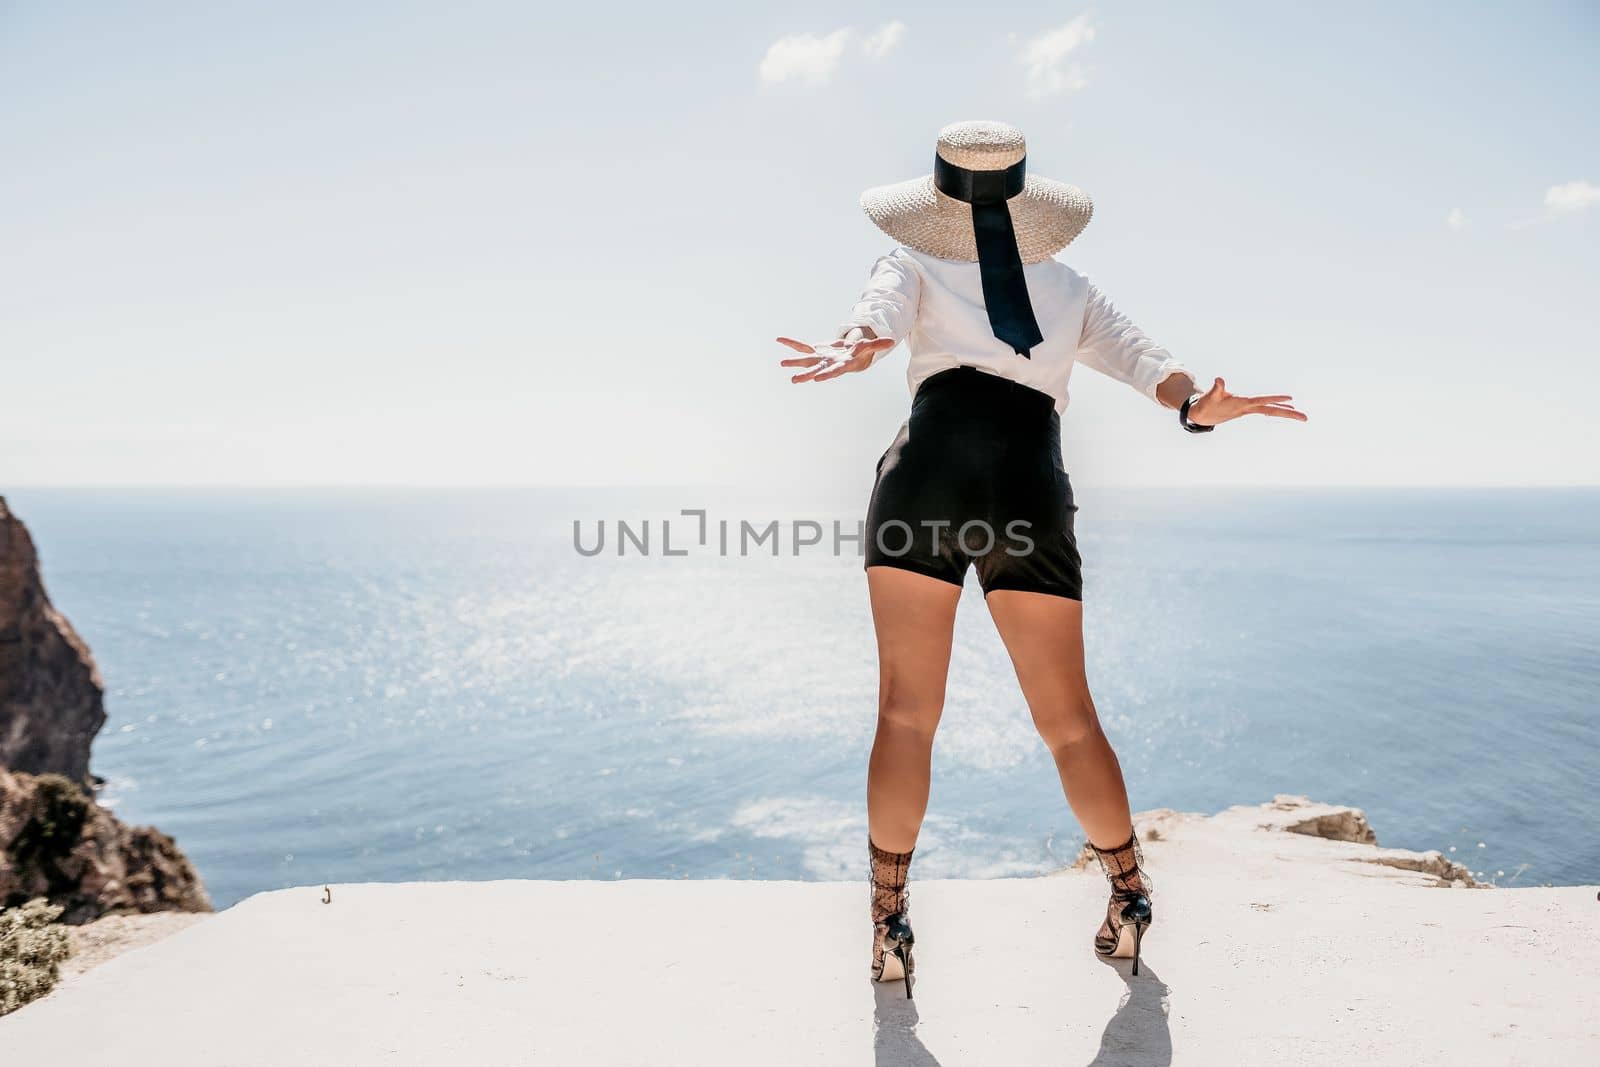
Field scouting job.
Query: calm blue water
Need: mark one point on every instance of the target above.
(316, 686)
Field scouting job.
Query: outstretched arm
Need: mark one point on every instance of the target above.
(881, 319)
(1115, 346)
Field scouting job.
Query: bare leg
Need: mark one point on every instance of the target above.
(1044, 635)
(914, 617)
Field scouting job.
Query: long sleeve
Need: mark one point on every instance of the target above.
(1114, 346)
(889, 302)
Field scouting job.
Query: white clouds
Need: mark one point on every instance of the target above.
(1562, 202)
(1046, 58)
(813, 59)
(880, 44)
(1571, 197)
(1050, 60)
(804, 57)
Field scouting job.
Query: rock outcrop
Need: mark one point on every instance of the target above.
(56, 841)
(51, 697)
(1343, 834)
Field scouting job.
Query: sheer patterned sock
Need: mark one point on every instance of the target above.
(889, 870)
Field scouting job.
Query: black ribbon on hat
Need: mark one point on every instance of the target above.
(1005, 290)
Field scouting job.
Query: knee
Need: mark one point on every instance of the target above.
(1068, 721)
(910, 710)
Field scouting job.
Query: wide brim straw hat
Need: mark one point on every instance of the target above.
(1047, 214)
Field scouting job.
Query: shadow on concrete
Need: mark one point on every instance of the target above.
(1138, 1035)
(894, 1030)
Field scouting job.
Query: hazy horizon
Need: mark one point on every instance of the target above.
(655, 487)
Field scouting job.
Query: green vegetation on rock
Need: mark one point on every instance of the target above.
(32, 946)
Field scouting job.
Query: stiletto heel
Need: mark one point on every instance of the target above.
(1138, 936)
(905, 965)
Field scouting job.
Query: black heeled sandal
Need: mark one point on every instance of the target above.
(1129, 914)
(1132, 921)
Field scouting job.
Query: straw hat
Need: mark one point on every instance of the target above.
(1046, 214)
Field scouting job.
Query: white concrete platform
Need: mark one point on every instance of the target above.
(1269, 948)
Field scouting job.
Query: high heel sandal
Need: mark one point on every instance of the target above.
(891, 928)
(1129, 913)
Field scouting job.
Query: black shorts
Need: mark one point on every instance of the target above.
(975, 477)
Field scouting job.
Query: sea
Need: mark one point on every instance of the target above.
(312, 686)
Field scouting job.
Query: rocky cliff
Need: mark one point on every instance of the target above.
(56, 841)
(51, 698)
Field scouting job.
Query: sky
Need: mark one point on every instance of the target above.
(531, 244)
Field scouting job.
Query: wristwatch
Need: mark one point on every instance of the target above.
(1183, 417)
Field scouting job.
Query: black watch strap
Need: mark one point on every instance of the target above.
(1183, 418)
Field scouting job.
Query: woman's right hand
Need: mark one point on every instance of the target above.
(833, 358)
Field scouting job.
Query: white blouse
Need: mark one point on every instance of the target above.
(935, 308)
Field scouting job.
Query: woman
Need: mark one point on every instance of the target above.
(992, 325)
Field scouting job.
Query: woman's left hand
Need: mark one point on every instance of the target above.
(1217, 406)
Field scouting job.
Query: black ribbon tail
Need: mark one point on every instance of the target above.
(1005, 290)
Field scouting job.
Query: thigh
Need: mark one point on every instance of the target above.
(1035, 547)
(918, 498)
(914, 618)
(1044, 636)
